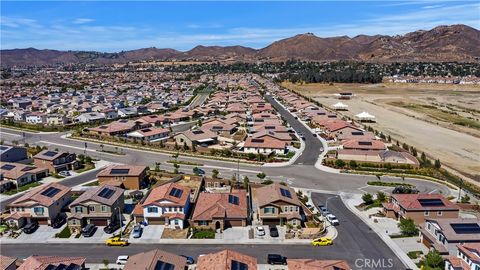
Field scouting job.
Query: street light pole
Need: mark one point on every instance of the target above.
(120, 220)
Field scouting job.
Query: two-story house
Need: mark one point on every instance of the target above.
(221, 210)
(56, 161)
(277, 204)
(467, 258)
(444, 234)
(167, 204)
(99, 205)
(419, 207)
(21, 174)
(41, 204)
(128, 176)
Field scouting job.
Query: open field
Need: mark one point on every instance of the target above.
(442, 120)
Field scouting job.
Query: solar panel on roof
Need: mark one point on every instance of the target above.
(106, 193)
(119, 171)
(431, 202)
(236, 265)
(364, 143)
(285, 193)
(357, 133)
(175, 192)
(197, 132)
(164, 266)
(8, 167)
(28, 168)
(146, 130)
(50, 153)
(466, 228)
(50, 192)
(233, 199)
(257, 140)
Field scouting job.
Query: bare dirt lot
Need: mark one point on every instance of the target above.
(442, 120)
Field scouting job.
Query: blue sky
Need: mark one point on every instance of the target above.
(115, 26)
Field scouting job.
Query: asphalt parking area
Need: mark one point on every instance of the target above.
(42, 234)
(149, 233)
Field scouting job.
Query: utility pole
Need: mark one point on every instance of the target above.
(120, 220)
(460, 189)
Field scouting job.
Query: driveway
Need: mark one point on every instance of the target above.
(234, 233)
(150, 233)
(99, 236)
(42, 234)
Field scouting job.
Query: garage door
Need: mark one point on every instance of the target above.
(233, 223)
(426, 242)
(99, 222)
(156, 221)
(42, 221)
(272, 221)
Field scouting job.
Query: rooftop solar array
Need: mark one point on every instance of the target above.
(106, 193)
(233, 199)
(50, 153)
(430, 202)
(28, 168)
(236, 265)
(197, 132)
(357, 132)
(164, 266)
(285, 193)
(175, 192)
(119, 171)
(364, 143)
(466, 228)
(50, 192)
(146, 130)
(258, 140)
(8, 167)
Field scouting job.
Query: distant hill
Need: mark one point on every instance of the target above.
(442, 43)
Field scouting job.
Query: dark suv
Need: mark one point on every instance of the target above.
(111, 227)
(58, 222)
(88, 230)
(273, 231)
(30, 227)
(276, 259)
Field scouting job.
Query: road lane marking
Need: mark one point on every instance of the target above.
(11, 134)
(76, 147)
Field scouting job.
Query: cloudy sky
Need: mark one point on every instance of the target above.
(114, 26)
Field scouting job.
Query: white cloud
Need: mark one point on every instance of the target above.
(82, 20)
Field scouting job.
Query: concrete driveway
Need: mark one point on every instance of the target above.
(150, 233)
(99, 236)
(234, 233)
(42, 234)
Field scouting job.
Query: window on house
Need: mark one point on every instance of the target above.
(91, 208)
(104, 208)
(78, 209)
(439, 213)
(426, 213)
(203, 223)
(38, 211)
(176, 222)
(152, 210)
(269, 210)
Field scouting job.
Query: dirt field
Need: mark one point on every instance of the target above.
(442, 120)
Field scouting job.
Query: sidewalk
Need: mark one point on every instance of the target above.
(350, 201)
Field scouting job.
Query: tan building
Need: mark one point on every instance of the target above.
(226, 260)
(221, 210)
(276, 204)
(420, 207)
(41, 204)
(127, 176)
(195, 137)
(56, 161)
(156, 259)
(99, 205)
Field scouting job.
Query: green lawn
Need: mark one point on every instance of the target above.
(23, 188)
(204, 234)
(65, 233)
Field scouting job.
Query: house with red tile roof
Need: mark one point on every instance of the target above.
(419, 207)
(221, 210)
(8, 263)
(21, 174)
(226, 260)
(265, 145)
(167, 204)
(150, 134)
(52, 262)
(42, 204)
(154, 260)
(467, 257)
(196, 137)
(311, 264)
(56, 161)
(126, 176)
(119, 127)
(359, 144)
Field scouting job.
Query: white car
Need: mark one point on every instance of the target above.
(332, 219)
(260, 231)
(64, 173)
(122, 259)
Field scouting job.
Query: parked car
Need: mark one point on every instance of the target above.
(122, 259)
(30, 227)
(198, 171)
(276, 259)
(64, 173)
(58, 222)
(323, 241)
(88, 230)
(314, 134)
(260, 231)
(116, 241)
(323, 210)
(137, 231)
(273, 231)
(190, 260)
(110, 228)
(332, 219)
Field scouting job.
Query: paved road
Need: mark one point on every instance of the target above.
(355, 238)
(313, 145)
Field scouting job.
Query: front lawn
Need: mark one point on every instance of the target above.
(65, 233)
(203, 234)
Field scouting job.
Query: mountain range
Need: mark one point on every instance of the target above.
(443, 43)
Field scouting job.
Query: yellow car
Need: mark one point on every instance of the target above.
(324, 241)
(116, 241)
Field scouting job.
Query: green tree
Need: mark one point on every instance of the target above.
(367, 198)
(437, 163)
(353, 164)
(176, 166)
(261, 175)
(215, 173)
(465, 199)
(105, 262)
(408, 227)
(339, 163)
(381, 196)
(434, 260)
(157, 166)
(246, 182)
(88, 159)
